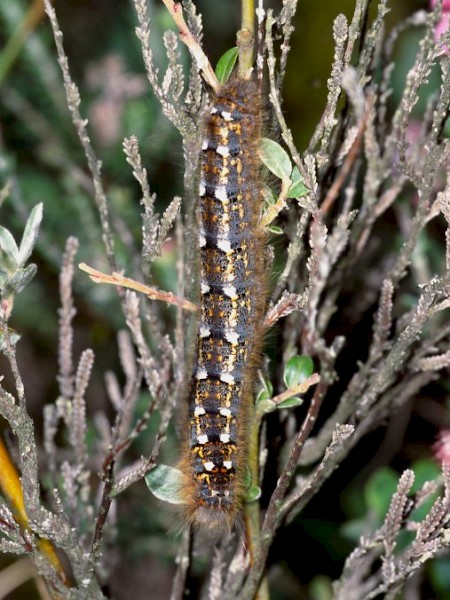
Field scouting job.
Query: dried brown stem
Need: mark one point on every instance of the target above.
(152, 293)
(176, 11)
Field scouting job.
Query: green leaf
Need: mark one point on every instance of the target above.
(298, 188)
(165, 483)
(21, 278)
(266, 406)
(275, 229)
(30, 234)
(439, 569)
(9, 246)
(354, 528)
(379, 489)
(269, 196)
(264, 402)
(425, 470)
(297, 369)
(225, 65)
(276, 159)
(292, 402)
(321, 588)
(253, 494)
(266, 392)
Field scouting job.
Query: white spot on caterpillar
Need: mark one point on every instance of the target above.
(220, 149)
(223, 151)
(233, 321)
(202, 237)
(221, 193)
(224, 245)
(204, 287)
(227, 464)
(198, 411)
(209, 465)
(231, 336)
(225, 114)
(201, 373)
(204, 331)
(224, 438)
(202, 439)
(225, 412)
(230, 291)
(226, 378)
(202, 188)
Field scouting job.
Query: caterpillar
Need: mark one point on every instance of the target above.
(232, 302)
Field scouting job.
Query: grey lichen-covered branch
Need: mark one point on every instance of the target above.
(431, 536)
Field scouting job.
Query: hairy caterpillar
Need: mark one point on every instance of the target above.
(232, 300)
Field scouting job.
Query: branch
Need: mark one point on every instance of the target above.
(176, 11)
(152, 293)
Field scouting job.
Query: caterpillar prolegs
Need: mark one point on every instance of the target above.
(232, 301)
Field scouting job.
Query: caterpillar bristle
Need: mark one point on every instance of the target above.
(232, 302)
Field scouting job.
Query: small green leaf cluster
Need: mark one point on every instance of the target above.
(264, 402)
(14, 273)
(277, 160)
(297, 370)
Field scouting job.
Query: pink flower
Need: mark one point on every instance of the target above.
(442, 26)
(442, 447)
(444, 23)
(445, 4)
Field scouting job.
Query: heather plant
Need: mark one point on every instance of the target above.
(358, 245)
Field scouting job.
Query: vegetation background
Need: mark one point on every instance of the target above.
(40, 153)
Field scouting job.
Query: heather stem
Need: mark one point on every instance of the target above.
(245, 38)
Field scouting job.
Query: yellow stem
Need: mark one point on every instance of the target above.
(245, 38)
(11, 489)
(252, 509)
(301, 388)
(14, 45)
(273, 211)
(11, 486)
